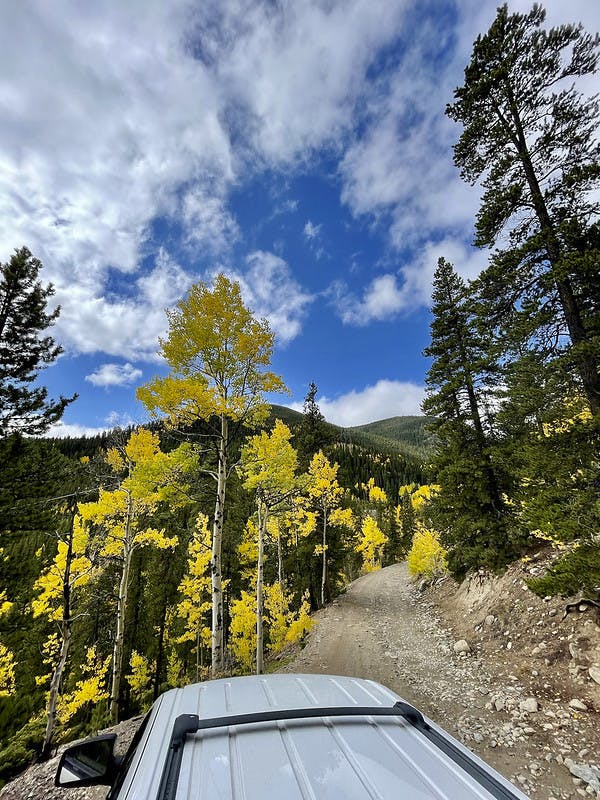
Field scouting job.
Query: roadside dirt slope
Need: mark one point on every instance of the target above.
(385, 629)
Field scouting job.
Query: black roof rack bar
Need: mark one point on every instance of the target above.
(191, 723)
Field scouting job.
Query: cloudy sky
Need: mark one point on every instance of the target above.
(300, 146)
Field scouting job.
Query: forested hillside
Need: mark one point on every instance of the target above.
(198, 545)
(137, 560)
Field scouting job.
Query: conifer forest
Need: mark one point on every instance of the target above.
(199, 545)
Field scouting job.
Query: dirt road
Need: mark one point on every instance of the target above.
(383, 630)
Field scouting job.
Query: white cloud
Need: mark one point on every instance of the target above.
(312, 231)
(271, 291)
(117, 419)
(210, 226)
(128, 328)
(382, 299)
(383, 400)
(102, 131)
(60, 430)
(117, 113)
(390, 294)
(166, 283)
(114, 375)
(298, 69)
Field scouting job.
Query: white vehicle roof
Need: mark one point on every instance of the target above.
(332, 755)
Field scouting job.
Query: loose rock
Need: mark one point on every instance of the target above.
(529, 705)
(594, 673)
(462, 646)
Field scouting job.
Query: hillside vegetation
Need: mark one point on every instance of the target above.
(199, 545)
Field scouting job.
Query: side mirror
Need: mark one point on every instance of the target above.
(88, 763)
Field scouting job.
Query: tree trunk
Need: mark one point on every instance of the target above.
(217, 589)
(54, 691)
(324, 569)
(161, 650)
(587, 362)
(262, 524)
(279, 558)
(121, 611)
(65, 632)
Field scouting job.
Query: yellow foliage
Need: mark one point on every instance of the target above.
(371, 544)
(91, 688)
(217, 352)
(300, 521)
(248, 551)
(50, 651)
(342, 518)
(301, 623)
(196, 585)
(50, 584)
(576, 410)
(419, 495)
(375, 493)
(5, 605)
(269, 463)
(426, 557)
(242, 630)
(7, 671)
(323, 485)
(286, 626)
(141, 675)
(277, 606)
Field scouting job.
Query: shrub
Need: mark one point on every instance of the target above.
(578, 571)
(426, 557)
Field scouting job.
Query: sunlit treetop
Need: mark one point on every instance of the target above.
(218, 353)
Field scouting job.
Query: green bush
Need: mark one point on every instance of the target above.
(21, 750)
(578, 571)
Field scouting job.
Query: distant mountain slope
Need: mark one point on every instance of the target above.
(398, 435)
(407, 432)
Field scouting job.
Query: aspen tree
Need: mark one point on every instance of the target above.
(59, 589)
(325, 492)
(121, 513)
(269, 464)
(371, 543)
(218, 354)
(195, 589)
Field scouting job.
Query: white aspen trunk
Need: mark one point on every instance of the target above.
(262, 524)
(198, 653)
(279, 558)
(54, 689)
(324, 572)
(215, 567)
(121, 611)
(65, 632)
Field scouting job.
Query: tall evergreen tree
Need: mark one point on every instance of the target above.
(24, 350)
(469, 509)
(313, 433)
(533, 136)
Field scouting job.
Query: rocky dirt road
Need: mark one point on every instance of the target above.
(382, 628)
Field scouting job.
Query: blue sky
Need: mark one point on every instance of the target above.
(300, 147)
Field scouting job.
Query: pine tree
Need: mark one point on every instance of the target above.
(470, 507)
(24, 349)
(313, 433)
(534, 137)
